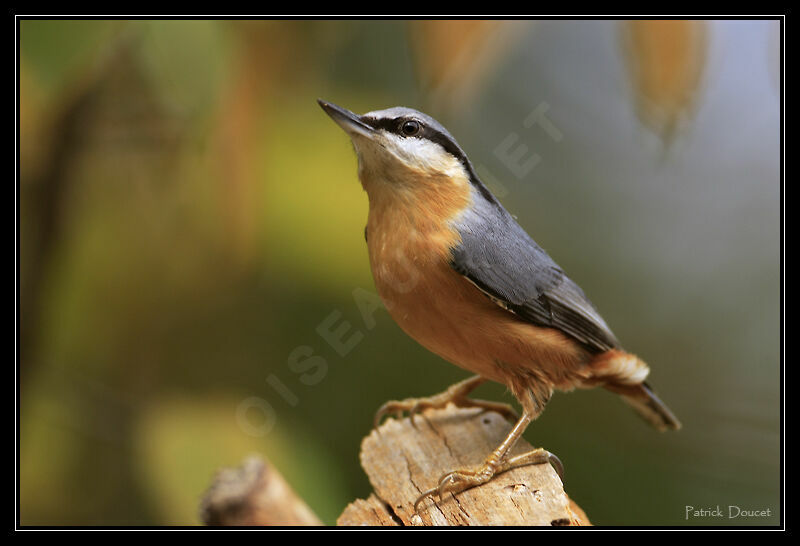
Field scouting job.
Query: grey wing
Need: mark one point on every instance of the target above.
(499, 257)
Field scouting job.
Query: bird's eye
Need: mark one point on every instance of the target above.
(410, 127)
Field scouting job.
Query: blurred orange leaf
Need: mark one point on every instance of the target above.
(455, 57)
(666, 61)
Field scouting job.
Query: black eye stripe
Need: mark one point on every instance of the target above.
(433, 131)
(427, 132)
(386, 124)
(394, 125)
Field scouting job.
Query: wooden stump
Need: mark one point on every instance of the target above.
(403, 460)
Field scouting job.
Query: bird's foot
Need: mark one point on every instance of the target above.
(455, 394)
(461, 480)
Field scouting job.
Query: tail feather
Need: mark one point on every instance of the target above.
(647, 404)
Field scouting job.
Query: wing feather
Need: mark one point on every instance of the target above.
(501, 259)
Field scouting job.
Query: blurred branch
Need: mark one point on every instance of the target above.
(87, 119)
(253, 494)
(45, 198)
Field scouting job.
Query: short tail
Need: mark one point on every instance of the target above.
(647, 404)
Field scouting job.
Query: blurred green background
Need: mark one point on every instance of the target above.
(189, 217)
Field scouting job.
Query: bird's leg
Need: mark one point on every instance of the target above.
(496, 463)
(455, 394)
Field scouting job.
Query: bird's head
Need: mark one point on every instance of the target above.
(402, 150)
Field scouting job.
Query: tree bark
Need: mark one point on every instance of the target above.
(404, 460)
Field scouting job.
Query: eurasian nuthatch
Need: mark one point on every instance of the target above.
(461, 277)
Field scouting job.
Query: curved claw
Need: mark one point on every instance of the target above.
(396, 408)
(425, 495)
(384, 410)
(379, 415)
(557, 465)
(415, 409)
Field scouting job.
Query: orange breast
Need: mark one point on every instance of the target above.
(409, 240)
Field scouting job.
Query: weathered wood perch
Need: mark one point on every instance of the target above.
(401, 461)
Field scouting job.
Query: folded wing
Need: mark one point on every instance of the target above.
(501, 259)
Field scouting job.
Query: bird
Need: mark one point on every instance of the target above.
(460, 276)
